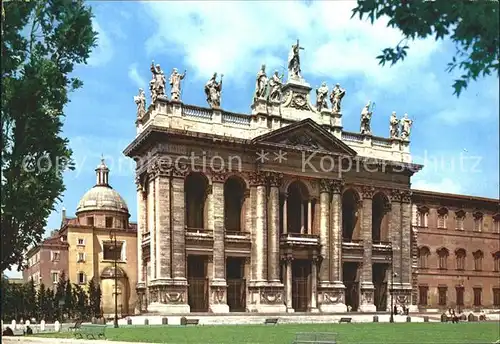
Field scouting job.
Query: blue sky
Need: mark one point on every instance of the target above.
(235, 38)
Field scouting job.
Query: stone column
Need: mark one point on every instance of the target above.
(260, 228)
(218, 285)
(273, 230)
(309, 216)
(406, 256)
(285, 215)
(367, 288)
(314, 285)
(395, 232)
(151, 225)
(324, 231)
(141, 229)
(162, 206)
(288, 286)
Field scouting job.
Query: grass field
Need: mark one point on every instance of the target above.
(381, 333)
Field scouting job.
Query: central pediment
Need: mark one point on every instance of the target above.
(306, 134)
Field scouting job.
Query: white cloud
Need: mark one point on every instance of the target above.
(445, 185)
(134, 75)
(230, 38)
(104, 51)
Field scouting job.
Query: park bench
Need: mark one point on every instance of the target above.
(345, 320)
(185, 321)
(271, 321)
(91, 332)
(77, 325)
(315, 338)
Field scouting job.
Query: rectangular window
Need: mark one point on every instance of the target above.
(422, 292)
(55, 277)
(477, 296)
(459, 220)
(460, 296)
(81, 257)
(496, 226)
(109, 222)
(441, 221)
(496, 297)
(478, 224)
(110, 252)
(82, 278)
(81, 242)
(443, 300)
(55, 256)
(90, 221)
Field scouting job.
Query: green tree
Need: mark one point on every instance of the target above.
(60, 297)
(82, 304)
(69, 299)
(42, 303)
(94, 298)
(42, 42)
(471, 25)
(30, 299)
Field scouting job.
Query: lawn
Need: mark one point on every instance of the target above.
(382, 333)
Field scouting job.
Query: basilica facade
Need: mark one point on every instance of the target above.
(279, 210)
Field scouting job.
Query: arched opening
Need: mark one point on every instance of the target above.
(195, 192)
(234, 197)
(350, 215)
(380, 211)
(423, 257)
(298, 209)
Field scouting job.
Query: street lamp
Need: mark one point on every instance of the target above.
(112, 236)
(392, 295)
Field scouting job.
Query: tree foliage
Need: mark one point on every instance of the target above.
(472, 25)
(42, 42)
(67, 302)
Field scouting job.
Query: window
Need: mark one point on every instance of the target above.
(422, 216)
(460, 254)
(496, 223)
(443, 258)
(423, 257)
(56, 256)
(443, 300)
(478, 222)
(477, 296)
(459, 220)
(460, 295)
(422, 295)
(109, 251)
(442, 216)
(109, 222)
(90, 221)
(55, 277)
(478, 260)
(82, 278)
(496, 261)
(81, 257)
(496, 297)
(81, 242)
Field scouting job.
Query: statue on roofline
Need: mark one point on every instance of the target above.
(157, 83)
(406, 124)
(366, 117)
(261, 84)
(321, 96)
(275, 85)
(140, 100)
(175, 83)
(213, 91)
(336, 97)
(394, 126)
(294, 71)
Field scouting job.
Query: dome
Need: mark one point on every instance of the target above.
(102, 196)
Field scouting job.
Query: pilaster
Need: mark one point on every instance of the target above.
(288, 284)
(258, 181)
(141, 223)
(367, 288)
(218, 285)
(406, 256)
(324, 231)
(395, 231)
(163, 230)
(275, 181)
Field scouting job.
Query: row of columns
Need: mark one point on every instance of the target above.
(164, 197)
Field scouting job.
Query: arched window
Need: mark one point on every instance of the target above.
(422, 216)
(442, 217)
(478, 260)
(496, 261)
(460, 256)
(478, 221)
(443, 258)
(423, 257)
(196, 190)
(459, 220)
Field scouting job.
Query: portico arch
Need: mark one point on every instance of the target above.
(380, 212)
(234, 197)
(196, 187)
(298, 208)
(350, 215)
